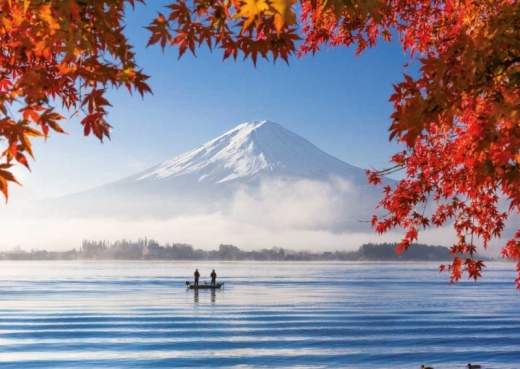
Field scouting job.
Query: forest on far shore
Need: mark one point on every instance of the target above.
(149, 249)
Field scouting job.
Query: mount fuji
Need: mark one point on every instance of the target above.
(250, 150)
(255, 161)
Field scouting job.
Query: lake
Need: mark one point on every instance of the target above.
(269, 315)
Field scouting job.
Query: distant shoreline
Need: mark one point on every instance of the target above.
(149, 250)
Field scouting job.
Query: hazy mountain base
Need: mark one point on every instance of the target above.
(144, 249)
(336, 204)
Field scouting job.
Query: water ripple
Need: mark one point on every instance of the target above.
(284, 315)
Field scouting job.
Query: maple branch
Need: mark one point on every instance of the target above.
(386, 171)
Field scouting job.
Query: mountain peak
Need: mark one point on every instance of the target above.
(253, 148)
(248, 127)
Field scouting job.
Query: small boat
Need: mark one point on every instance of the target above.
(203, 286)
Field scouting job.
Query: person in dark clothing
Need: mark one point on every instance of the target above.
(213, 277)
(196, 275)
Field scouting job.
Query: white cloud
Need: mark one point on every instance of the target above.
(287, 205)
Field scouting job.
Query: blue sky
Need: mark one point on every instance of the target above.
(335, 100)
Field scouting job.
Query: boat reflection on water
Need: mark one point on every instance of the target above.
(196, 288)
(213, 296)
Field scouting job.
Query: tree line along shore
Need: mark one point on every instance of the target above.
(149, 249)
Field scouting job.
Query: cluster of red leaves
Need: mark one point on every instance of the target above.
(460, 123)
(253, 27)
(59, 50)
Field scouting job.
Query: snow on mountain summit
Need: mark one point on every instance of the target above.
(249, 149)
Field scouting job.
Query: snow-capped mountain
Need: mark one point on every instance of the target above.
(250, 165)
(250, 149)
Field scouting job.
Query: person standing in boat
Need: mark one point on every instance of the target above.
(196, 275)
(213, 277)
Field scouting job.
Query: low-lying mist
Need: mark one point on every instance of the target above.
(293, 214)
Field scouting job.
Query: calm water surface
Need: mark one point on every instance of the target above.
(270, 315)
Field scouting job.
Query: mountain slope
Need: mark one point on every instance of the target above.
(257, 164)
